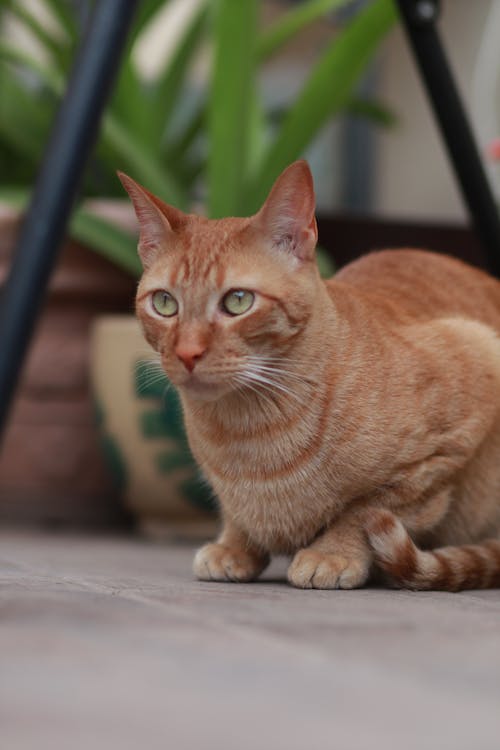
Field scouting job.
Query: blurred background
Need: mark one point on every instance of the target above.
(213, 99)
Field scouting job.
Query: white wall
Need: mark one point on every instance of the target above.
(413, 177)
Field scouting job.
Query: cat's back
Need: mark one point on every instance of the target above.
(419, 284)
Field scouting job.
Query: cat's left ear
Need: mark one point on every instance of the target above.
(287, 217)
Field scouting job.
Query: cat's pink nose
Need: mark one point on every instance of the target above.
(189, 355)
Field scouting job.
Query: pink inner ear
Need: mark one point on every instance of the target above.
(287, 216)
(153, 227)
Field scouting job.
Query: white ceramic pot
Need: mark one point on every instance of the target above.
(142, 432)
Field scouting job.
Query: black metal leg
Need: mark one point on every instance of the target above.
(72, 137)
(419, 18)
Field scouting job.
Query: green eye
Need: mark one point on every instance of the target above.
(164, 303)
(237, 301)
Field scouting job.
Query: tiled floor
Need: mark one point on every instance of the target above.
(110, 644)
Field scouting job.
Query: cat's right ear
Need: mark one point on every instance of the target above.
(157, 220)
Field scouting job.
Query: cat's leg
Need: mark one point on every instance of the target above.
(231, 558)
(340, 558)
(422, 492)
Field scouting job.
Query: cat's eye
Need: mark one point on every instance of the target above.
(237, 301)
(164, 303)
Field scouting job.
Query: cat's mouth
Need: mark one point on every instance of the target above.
(203, 388)
(195, 383)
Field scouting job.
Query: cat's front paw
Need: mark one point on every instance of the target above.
(216, 562)
(316, 570)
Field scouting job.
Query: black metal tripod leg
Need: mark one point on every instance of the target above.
(419, 18)
(72, 137)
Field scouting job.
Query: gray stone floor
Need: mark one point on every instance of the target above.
(110, 643)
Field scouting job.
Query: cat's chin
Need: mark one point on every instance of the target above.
(203, 390)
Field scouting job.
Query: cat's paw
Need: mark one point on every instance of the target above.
(316, 570)
(216, 562)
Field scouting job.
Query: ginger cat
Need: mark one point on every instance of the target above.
(353, 424)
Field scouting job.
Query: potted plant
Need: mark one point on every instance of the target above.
(220, 150)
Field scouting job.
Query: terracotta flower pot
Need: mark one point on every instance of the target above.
(51, 465)
(143, 434)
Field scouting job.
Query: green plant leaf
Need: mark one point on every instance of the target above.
(230, 100)
(182, 142)
(367, 108)
(168, 85)
(132, 104)
(326, 91)
(50, 43)
(19, 169)
(373, 110)
(227, 138)
(135, 157)
(121, 141)
(256, 124)
(133, 100)
(144, 15)
(270, 42)
(19, 107)
(14, 196)
(286, 27)
(325, 262)
(66, 17)
(110, 241)
(48, 75)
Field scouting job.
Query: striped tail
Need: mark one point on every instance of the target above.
(471, 566)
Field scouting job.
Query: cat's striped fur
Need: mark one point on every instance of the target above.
(344, 422)
(444, 568)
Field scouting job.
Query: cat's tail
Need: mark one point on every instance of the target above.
(470, 566)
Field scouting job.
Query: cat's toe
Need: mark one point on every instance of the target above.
(303, 568)
(354, 575)
(215, 562)
(316, 570)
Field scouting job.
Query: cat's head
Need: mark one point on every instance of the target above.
(221, 300)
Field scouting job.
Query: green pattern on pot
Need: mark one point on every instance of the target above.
(141, 424)
(166, 421)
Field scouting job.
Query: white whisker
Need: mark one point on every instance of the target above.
(268, 359)
(153, 364)
(257, 377)
(145, 384)
(151, 375)
(245, 384)
(168, 386)
(285, 373)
